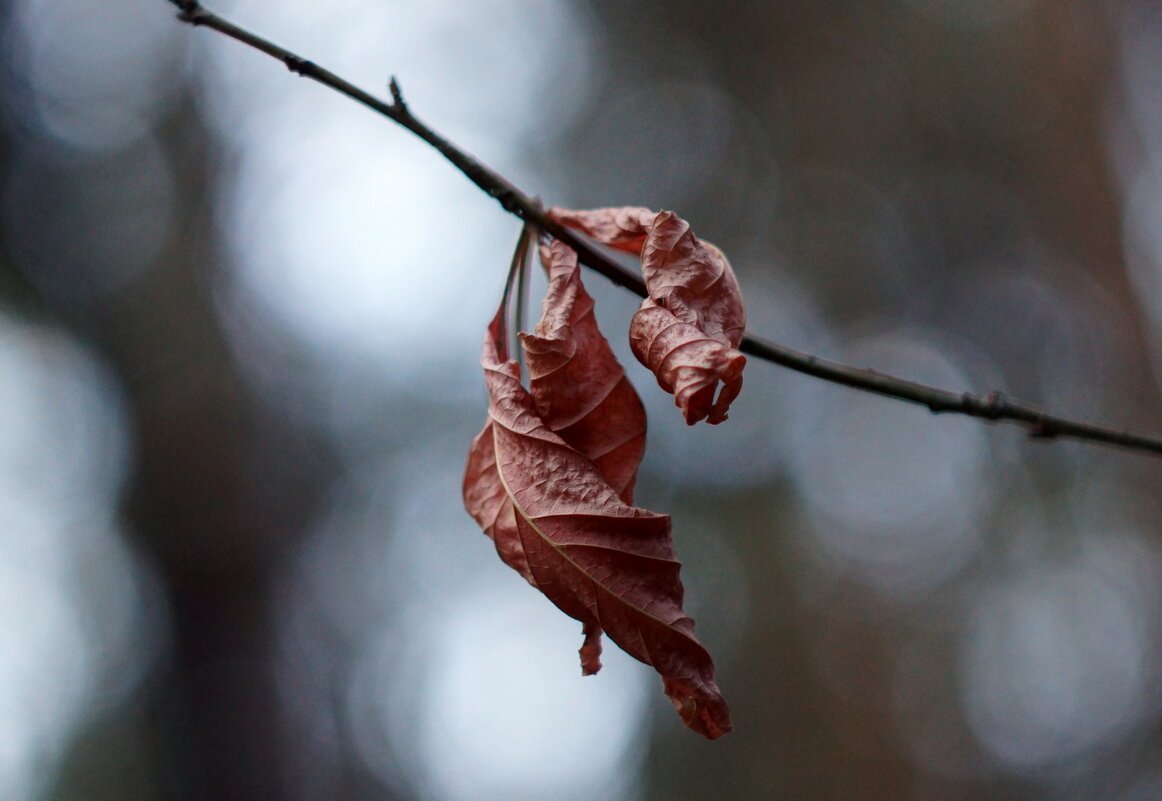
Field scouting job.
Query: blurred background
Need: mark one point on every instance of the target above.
(240, 319)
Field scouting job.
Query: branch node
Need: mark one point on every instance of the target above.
(397, 101)
(995, 406)
(1042, 430)
(299, 66)
(509, 201)
(190, 12)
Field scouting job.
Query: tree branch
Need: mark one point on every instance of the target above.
(993, 407)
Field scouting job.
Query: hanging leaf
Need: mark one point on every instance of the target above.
(580, 389)
(556, 502)
(687, 331)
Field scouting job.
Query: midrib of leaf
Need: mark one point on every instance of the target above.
(560, 551)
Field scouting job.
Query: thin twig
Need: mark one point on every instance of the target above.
(994, 407)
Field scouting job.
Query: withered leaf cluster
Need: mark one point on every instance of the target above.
(550, 478)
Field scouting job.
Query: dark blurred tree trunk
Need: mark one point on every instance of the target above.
(196, 505)
(221, 489)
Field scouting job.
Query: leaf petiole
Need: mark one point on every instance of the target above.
(525, 249)
(517, 271)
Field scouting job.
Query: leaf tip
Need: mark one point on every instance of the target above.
(590, 649)
(701, 708)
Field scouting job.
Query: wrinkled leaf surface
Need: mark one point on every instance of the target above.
(687, 331)
(549, 479)
(580, 389)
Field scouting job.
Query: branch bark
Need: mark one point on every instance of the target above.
(993, 407)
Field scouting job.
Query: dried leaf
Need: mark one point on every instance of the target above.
(556, 505)
(581, 390)
(687, 331)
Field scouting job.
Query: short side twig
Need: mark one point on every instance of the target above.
(993, 407)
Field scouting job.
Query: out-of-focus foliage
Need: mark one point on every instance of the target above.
(239, 323)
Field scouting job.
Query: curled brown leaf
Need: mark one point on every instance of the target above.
(688, 330)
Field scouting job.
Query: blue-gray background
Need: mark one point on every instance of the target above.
(240, 320)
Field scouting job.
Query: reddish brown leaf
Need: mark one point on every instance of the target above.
(555, 503)
(581, 393)
(581, 390)
(688, 329)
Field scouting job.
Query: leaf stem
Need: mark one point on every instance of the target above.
(516, 276)
(994, 407)
(528, 246)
